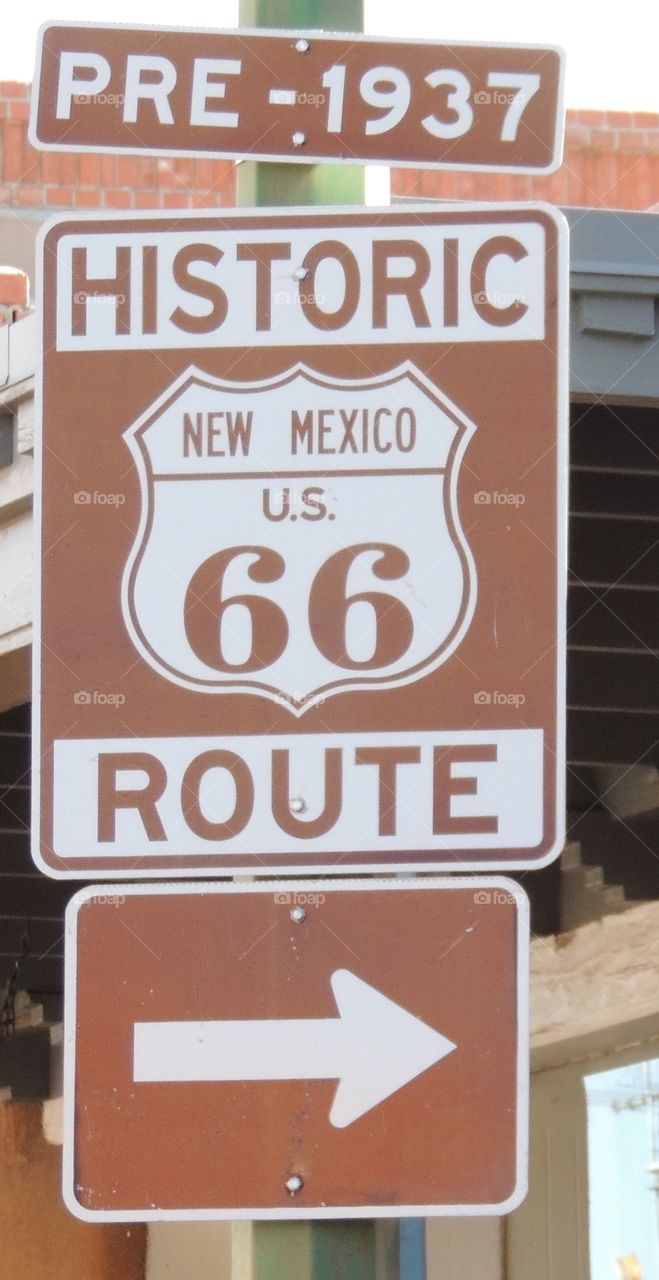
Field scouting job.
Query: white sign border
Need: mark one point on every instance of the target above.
(562, 438)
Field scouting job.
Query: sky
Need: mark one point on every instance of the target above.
(611, 48)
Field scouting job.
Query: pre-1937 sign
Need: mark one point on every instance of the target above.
(301, 96)
(306, 472)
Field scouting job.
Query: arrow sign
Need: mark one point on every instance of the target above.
(373, 1048)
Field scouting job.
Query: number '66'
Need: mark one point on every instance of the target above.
(205, 608)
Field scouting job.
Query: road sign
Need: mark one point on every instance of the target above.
(298, 96)
(266, 1051)
(302, 517)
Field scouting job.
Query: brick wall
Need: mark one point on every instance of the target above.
(611, 162)
(54, 180)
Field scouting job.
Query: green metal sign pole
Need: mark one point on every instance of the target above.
(299, 184)
(354, 1249)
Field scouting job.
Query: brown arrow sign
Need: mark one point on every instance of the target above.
(262, 1050)
(292, 95)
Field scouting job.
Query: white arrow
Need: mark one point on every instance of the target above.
(373, 1048)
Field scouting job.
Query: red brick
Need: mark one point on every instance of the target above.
(12, 89)
(31, 164)
(645, 120)
(6, 195)
(128, 171)
(171, 178)
(590, 169)
(520, 186)
(14, 137)
(489, 186)
(31, 196)
(646, 191)
(558, 187)
(179, 177)
(609, 180)
(227, 181)
(596, 118)
(600, 178)
(604, 140)
(166, 179)
(147, 172)
(413, 180)
(410, 181)
(108, 167)
(423, 183)
(71, 167)
(51, 166)
(577, 136)
(89, 169)
(484, 187)
(627, 196)
(182, 166)
(467, 186)
(59, 195)
(19, 110)
(574, 186)
(205, 175)
(539, 187)
(166, 174)
(175, 200)
(203, 200)
(620, 119)
(147, 199)
(426, 182)
(118, 199)
(632, 140)
(499, 191)
(88, 198)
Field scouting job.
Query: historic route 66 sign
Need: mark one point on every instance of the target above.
(230, 603)
(302, 515)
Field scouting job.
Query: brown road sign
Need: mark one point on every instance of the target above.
(272, 1051)
(292, 95)
(302, 511)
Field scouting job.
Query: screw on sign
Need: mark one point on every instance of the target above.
(201, 1017)
(328, 643)
(274, 96)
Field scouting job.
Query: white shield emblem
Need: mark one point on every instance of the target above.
(299, 536)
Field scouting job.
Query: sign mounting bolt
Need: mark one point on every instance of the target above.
(298, 139)
(298, 914)
(294, 1184)
(297, 805)
(302, 46)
